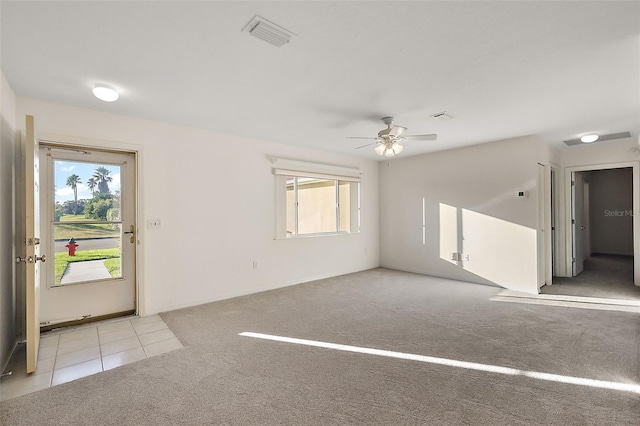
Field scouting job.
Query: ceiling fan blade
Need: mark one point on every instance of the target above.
(360, 137)
(369, 144)
(431, 137)
(397, 131)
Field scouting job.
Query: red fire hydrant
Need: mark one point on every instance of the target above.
(72, 246)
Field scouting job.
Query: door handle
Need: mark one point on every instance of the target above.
(131, 233)
(42, 258)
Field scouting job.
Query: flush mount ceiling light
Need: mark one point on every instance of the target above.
(589, 138)
(599, 138)
(105, 93)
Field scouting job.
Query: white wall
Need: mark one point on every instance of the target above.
(7, 282)
(599, 153)
(471, 206)
(215, 196)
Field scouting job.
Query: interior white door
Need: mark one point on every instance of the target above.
(32, 243)
(577, 219)
(553, 223)
(89, 212)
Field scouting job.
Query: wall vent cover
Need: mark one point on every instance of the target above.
(268, 31)
(602, 138)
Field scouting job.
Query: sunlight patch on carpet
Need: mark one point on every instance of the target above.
(603, 384)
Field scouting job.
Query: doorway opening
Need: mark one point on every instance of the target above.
(88, 216)
(602, 246)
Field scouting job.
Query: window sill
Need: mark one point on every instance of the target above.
(320, 234)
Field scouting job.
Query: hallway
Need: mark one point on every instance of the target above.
(604, 276)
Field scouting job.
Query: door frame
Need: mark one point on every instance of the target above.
(579, 207)
(541, 240)
(635, 165)
(554, 211)
(544, 249)
(136, 150)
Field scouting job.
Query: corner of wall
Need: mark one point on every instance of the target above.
(428, 202)
(7, 268)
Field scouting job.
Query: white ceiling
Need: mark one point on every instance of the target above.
(502, 69)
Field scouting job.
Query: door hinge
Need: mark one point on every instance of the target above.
(573, 260)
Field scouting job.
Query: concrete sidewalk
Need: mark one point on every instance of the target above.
(85, 271)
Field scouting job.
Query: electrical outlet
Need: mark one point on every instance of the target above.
(154, 223)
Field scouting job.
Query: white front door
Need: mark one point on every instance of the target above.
(88, 206)
(31, 248)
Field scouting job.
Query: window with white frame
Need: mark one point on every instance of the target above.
(313, 199)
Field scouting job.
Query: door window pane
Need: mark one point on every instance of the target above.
(86, 227)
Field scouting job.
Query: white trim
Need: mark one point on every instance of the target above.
(635, 165)
(281, 196)
(315, 235)
(298, 168)
(554, 210)
(283, 172)
(137, 151)
(548, 250)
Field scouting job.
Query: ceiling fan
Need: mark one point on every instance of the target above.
(389, 140)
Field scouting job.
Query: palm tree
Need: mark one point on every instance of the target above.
(73, 182)
(101, 175)
(92, 183)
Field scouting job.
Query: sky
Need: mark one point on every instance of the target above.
(64, 169)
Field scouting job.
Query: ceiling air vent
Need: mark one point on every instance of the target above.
(601, 138)
(268, 31)
(442, 116)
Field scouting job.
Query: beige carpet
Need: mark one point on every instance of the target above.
(220, 377)
(604, 275)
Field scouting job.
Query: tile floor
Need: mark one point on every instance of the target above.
(73, 353)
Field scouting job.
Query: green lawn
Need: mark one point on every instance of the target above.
(113, 266)
(75, 218)
(111, 260)
(82, 230)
